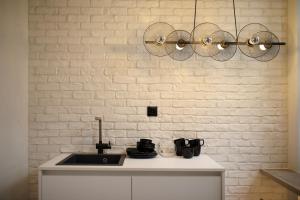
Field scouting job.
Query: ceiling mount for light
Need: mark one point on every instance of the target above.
(209, 40)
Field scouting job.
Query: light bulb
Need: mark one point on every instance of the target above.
(262, 47)
(254, 40)
(220, 47)
(161, 40)
(207, 40)
(179, 48)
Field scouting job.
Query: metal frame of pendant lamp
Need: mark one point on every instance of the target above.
(209, 40)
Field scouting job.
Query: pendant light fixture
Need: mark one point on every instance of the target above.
(209, 40)
(202, 39)
(222, 44)
(155, 38)
(181, 49)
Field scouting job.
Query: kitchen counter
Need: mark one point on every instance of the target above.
(137, 179)
(287, 178)
(200, 163)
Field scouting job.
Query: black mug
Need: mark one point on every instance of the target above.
(188, 152)
(182, 143)
(179, 144)
(196, 144)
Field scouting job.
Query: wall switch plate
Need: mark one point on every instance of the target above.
(152, 111)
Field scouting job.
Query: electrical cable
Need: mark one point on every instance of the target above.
(234, 12)
(195, 14)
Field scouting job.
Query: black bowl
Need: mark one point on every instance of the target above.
(145, 147)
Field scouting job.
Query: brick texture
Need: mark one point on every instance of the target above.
(87, 59)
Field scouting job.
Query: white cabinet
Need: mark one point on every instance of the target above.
(200, 178)
(85, 186)
(177, 187)
(80, 185)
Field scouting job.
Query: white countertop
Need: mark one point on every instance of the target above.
(196, 164)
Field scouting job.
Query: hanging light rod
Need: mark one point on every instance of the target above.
(215, 43)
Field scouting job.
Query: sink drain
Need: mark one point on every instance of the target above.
(105, 160)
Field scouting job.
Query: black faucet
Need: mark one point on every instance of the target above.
(100, 146)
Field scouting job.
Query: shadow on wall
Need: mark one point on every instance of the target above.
(16, 190)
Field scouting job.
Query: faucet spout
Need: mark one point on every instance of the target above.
(100, 129)
(101, 146)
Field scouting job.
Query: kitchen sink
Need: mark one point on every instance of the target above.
(94, 159)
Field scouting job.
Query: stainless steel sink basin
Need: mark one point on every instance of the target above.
(94, 159)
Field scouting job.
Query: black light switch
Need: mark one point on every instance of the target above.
(152, 111)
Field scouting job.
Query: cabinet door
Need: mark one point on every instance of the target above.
(85, 187)
(176, 187)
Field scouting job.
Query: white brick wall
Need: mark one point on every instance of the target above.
(87, 59)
